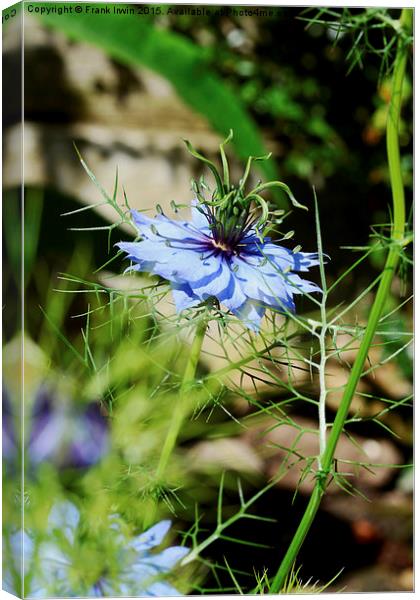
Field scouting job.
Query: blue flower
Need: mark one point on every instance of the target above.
(51, 568)
(18, 551)
(204, 258)
(56, 431)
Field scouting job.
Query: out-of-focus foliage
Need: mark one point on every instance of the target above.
(135, 40)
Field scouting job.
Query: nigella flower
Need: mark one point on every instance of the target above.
(223, 252)
(202, 259)
(55, 431)
(128, 567)
(18, 552)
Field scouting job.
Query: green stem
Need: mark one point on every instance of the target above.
(182, 404)
(178, 415)
(323, 356)
(397, 241)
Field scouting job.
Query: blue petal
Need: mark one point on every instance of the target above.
(233, 297)
(142, 573)
(16, 559)
(47, 435)
(161, 228)
(187, 267)
(198, 216)
(89, 439)
(147, 250)
(282, 257)
(248, 278)
(184, 297)
(167, 558)
(95, 591)
(64, 516)
(260, 283)
(287, 284)
(153, 257)
(20, 542)
(286, 259)
(215, 283)
(178, 230)
(301, 286)
(160, 588)
(251, 314)
(124, 589)
(36, 591)
(55, 564)
(285, 305)
(107, 588)
(179, 265)
(144, 225)
(305, 260)
(28, 551)
(152, 537)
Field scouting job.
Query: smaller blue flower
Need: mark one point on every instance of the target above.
(57, 432)
(138, 570)
(18, 551)
(203, 259)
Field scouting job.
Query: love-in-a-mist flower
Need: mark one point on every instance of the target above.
(223, 253)
(127, 566)
(56, 431)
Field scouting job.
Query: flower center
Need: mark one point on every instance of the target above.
(221, 246)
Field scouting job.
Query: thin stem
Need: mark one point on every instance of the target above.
(321, 337)
(322, 393)
(397, 237)
(241, 513)
(178, 415)
(181, 406)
